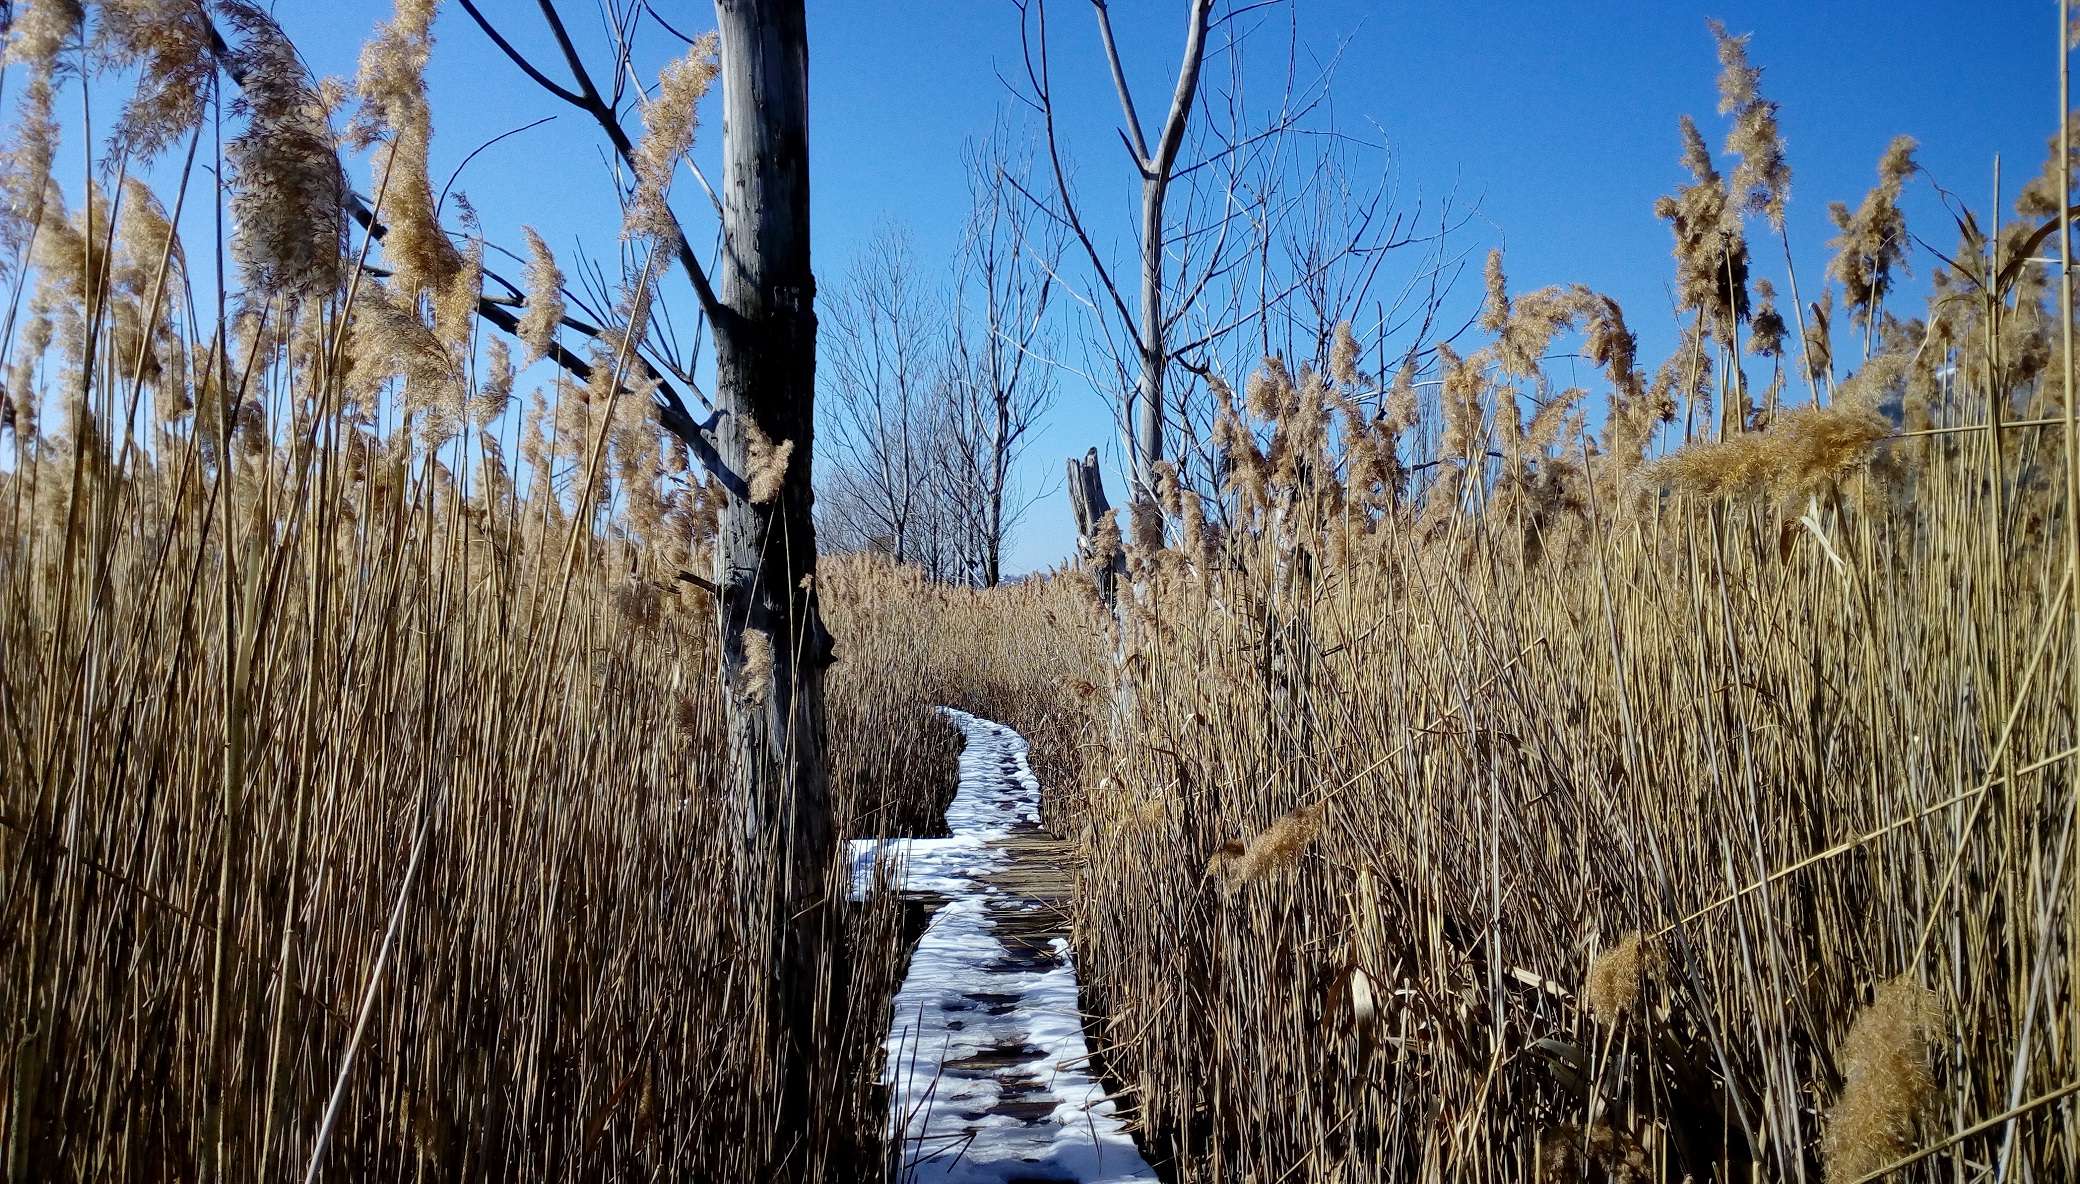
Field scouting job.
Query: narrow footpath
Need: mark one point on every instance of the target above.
(987, 1069)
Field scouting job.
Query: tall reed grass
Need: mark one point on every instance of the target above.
(1546, 812)
(1578, 816)
(1568, 808)
(361, 809)
(340, 800)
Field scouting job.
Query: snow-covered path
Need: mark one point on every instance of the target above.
(987, 1068)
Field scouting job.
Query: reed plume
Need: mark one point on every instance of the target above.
(1888, 1083)
(545, 307)
(1616, 977)
(1804, 450)
(768, 464)
(1711, 250)
(1873, 239)
(1761, 183)
(1275, 848)
(167, 43)
(391, 85)
(669, 122)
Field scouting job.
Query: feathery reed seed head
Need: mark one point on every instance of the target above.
(289, 196)
(1615, 978)
(767, 474)
(545, 308)
(1888, 1084)
(1277, 847)
(669, 122)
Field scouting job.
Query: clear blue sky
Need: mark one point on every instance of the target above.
(1559, 119)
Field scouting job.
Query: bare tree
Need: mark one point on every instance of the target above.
(845, 521)
(946, 547)
(884, 356)
(1143, 406)
(999, 383)
(764, 323)
(1320, 230)
(932, 400)
(1243, 211)
(759, 443)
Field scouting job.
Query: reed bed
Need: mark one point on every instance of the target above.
(1031, 654)
(1442, 868)
(361, 809)
(1564, 814)
(361, 793)
(1690, 798)
(337, 802)
(1025, 654)
(1547, 812)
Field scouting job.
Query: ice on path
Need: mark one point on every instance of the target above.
(987, 1067)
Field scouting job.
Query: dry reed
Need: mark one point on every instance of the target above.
(1731, 717)
(360, 801)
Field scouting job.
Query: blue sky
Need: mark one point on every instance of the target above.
(1557, 120)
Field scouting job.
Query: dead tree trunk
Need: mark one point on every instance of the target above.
(775, 647)
(999, 476)
(1097, 542)
(759, 444)
(1152, 316)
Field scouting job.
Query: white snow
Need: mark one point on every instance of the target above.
(987, 1066)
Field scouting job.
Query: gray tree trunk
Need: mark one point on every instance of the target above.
(1156, 170)
(765, 370)
(999, 477)
(1087, 501)
(1155, 359)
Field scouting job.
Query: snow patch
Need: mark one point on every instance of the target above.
(987, 1066)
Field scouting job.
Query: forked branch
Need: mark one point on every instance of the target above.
(588, 99)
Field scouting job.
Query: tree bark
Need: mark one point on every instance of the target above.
(1155, 359)
(765, 362)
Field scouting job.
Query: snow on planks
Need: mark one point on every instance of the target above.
(987, 1069)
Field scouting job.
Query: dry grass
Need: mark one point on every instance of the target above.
(292, 742)
(1548, 813)
(1636, 782)
(360, 798)
(1550, 757)
(1603, 795)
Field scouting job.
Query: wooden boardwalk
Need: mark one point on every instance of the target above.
(1042, 871)
(988, 1070)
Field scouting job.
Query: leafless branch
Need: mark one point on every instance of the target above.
(588, 99)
